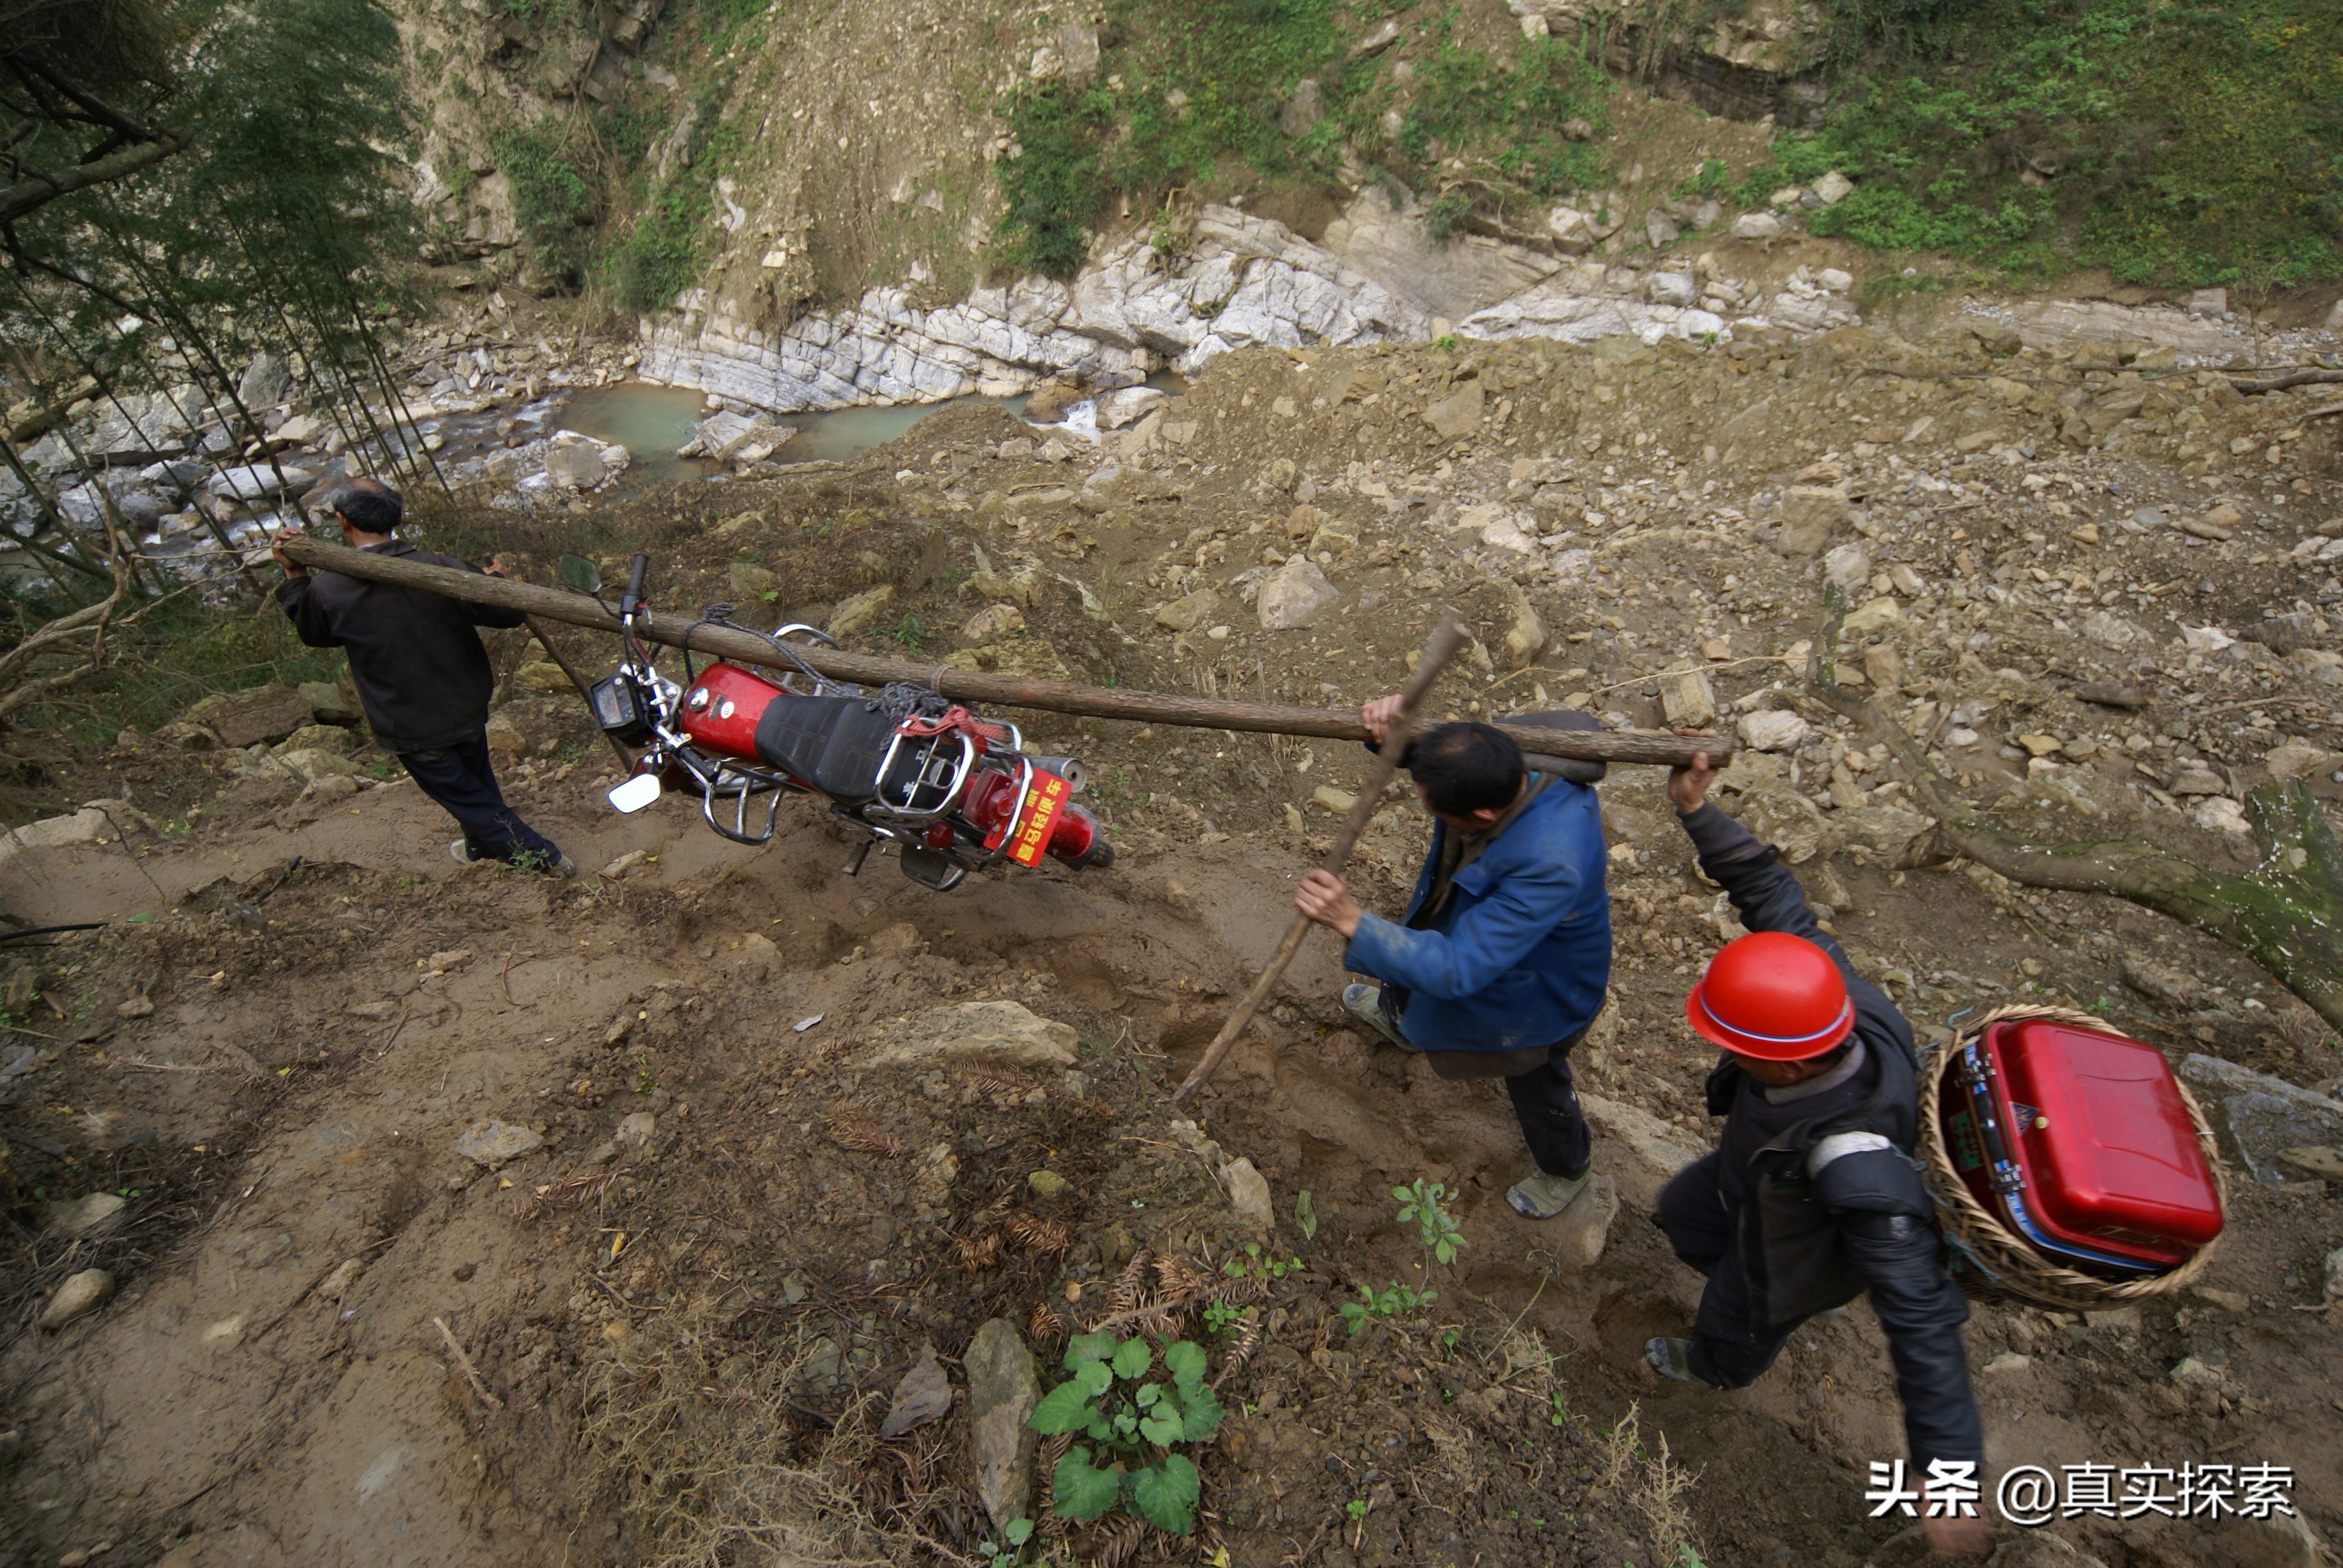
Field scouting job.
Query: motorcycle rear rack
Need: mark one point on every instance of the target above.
(739, 781)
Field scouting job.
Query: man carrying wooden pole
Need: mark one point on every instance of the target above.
(1503, 957)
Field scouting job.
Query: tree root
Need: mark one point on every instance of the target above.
(2285, 914)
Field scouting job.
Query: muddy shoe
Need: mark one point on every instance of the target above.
(461, 853)
(1582, 1209)
(1366, 1003)
(1542, 1197)
(1672, 1359)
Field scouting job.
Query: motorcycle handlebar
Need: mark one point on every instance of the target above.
(635, 578)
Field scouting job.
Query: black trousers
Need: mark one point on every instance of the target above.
(461, 779)
(1729, 1348)
(1547, 1104)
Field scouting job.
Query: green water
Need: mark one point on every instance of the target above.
(650, 422)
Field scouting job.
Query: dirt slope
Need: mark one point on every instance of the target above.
(691, 1338)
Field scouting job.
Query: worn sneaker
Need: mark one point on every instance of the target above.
(461, 853)
(564, 869)
(1672, 1359)
(1364, 1002)
(1542, 1197)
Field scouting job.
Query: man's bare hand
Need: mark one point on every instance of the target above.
(1971, 1537)
(293, 568)
(1324, 899)
(1687, 787)
(1380, 715)
(495, 568)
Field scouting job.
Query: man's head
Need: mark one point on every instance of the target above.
(1468, 774)
(368, 508)
(1778, 1003)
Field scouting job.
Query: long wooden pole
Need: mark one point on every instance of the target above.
(968, 685)
(1446, 639)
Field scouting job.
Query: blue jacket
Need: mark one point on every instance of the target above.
(1522, 955)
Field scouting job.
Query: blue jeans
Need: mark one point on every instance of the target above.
(461, 779)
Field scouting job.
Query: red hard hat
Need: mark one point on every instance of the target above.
(1772, 996)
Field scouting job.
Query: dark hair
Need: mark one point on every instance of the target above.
(1467, 768)
(371, 505)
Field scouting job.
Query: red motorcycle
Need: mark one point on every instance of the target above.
(953, 791)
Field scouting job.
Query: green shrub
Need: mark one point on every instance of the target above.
(553, 200)
(1054, 186)
(1132, 1426)
(2172, 141)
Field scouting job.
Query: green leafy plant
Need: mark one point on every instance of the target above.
(1427, 1204)
(1220, 1317)
(910, 634)
(1132, 1426)
(1393, 1301)
(1254, 1265)
(1003, 1553)
(1305, 1215)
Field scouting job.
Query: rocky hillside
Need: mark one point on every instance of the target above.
(771, 180)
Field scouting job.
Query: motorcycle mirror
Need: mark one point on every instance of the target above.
(580, 573)
(636, 793)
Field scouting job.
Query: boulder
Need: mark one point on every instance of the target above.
(2267, 1116)
(1524, 632)
(1128, 407)
(1003, 1388)
(1249, 1194)
(924, 1395)
(1890, 836)
(859, 610)
(79, 1296)
(312, 763)
(1784, 818)
(1756, 225)
(576, 468)
(1688, 698)
(329, 704)
(1459, 413)
(1189, 612)
(1833, 188)
(85, 1215)
(264, 382)
(992, 622)
(1296, 596)
(492, 1143)
(258, 481)
(315, 738)
(256, 715)
(996, 1032)
(1811, 514)
(1772, 729)
(542, 675)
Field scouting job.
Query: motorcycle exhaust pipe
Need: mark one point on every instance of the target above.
(1069, 769)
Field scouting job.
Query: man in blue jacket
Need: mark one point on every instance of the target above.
(1504, 953)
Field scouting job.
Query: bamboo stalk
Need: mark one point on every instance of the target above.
(968, 685)
(1446, 639)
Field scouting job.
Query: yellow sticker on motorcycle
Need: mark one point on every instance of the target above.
(1042, 803)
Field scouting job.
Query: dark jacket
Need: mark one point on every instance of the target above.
(1826, 1217)
(422, 676)
(1519, 954)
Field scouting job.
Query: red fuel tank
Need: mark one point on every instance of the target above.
(721, 709)
(2098, 1159)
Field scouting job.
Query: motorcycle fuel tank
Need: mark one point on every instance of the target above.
(721, 708)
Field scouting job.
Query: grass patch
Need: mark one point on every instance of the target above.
(2172, 143)
(1505, 119)
(555, 199)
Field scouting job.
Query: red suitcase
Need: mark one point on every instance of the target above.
(2079, 1142)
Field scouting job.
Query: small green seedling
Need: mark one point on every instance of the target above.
(1425, 1203)
(1220, 1316)
(1396, 1301)
(1305, 1215)
(1004, 1553)
(1253, 1265)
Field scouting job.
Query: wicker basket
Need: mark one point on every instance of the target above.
(1992, 1262)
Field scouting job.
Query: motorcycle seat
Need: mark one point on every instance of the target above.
(833, 743)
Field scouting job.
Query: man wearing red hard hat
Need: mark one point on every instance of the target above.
(1811, 1198)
